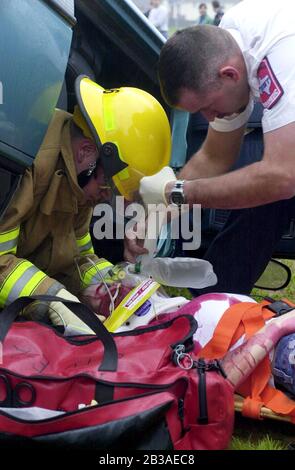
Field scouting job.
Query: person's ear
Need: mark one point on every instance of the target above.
(229, 72)
(87, 149)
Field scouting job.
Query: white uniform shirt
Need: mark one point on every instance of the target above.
(265, 32)
(159, 18)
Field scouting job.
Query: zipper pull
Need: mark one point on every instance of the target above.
(202, 391)
(181, 415)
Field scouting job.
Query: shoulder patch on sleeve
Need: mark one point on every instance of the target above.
(269, 87)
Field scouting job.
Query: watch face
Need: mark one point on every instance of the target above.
(177, 198)
(177, 195)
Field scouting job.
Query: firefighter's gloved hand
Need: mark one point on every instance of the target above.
(59, 314)
(152, 188)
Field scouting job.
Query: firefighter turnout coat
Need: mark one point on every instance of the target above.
(45, 243)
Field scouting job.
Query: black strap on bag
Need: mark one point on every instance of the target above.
(110, 357)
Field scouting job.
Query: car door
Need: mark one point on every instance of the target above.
(35, 39)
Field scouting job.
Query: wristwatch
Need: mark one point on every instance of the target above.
(177, 197)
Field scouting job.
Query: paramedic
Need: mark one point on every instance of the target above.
(220, 72)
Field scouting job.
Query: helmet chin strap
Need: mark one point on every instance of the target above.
(111, 161)
(111, 164)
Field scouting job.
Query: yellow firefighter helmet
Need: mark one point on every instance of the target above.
(130, 128)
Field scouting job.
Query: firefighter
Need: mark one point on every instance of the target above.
(113, 138)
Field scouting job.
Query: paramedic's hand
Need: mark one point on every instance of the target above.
(133, 243)
(152, 188)
(59, 314)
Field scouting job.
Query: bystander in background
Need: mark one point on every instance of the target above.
(158, 16)
(219, 12)
(204, 18)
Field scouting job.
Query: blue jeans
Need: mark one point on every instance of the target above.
(241, 251)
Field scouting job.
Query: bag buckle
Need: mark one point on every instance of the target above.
(279, 307)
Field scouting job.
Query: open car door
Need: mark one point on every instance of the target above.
(35, 40)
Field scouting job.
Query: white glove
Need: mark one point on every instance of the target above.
(59, 314)
(152, 188)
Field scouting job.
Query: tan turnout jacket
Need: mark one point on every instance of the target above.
(46, 227)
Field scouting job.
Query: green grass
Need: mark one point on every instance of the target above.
(267, 443)
(175, 292)
(288, 292)
(252, 434)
